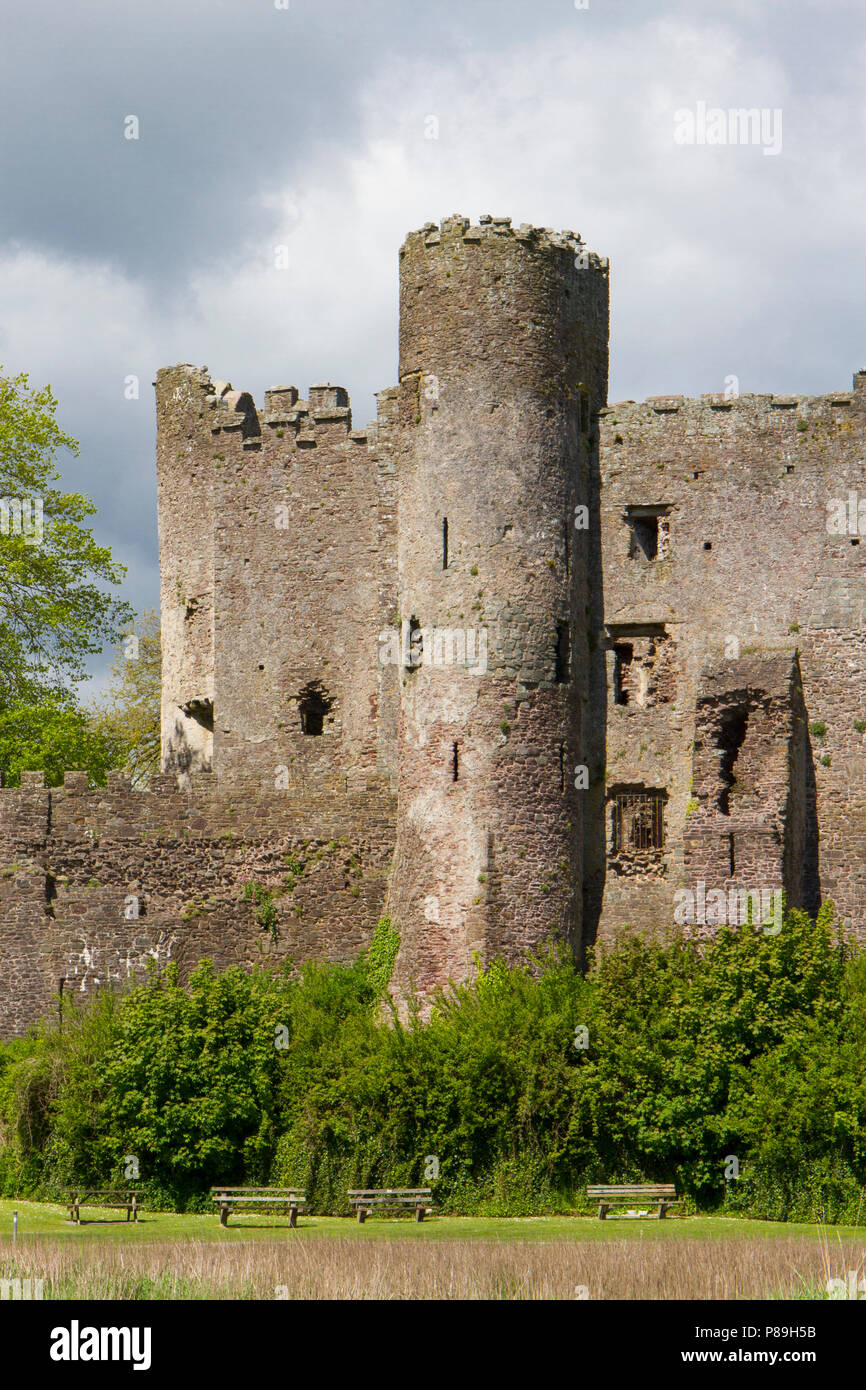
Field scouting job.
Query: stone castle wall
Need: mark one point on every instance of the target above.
(745, 566)
(510, 662)
(96, 883)
(285, 641)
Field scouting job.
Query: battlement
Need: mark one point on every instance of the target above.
(743, 404)
(327, 407)
(236, 411)
(492, 230)
(771, 438)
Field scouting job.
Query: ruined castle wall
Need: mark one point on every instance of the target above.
(747, 821)
(98, 883)
(404, 669)
(185, 489)
(300, 597)
(745, 563)
(503, 359)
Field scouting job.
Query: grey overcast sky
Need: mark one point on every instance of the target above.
(306, 125)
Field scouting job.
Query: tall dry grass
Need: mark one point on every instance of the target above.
(446, 1269)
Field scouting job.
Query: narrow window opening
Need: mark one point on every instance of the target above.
(732, 865)
(445, 543)
(563, 653)
(314, 706)
(416, 645)
(623, 655)
(455, 763)
(731, 737)
(562, 767)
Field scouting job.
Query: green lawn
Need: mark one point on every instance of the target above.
(46, 1219)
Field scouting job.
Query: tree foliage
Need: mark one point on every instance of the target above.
(128, 716)
(750, 1047)
(55, 608)
(55, 738)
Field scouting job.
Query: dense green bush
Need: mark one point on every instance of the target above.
(670, 1061)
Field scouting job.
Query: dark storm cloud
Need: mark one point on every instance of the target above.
(260, 125)
(233, 97)
(230, 98)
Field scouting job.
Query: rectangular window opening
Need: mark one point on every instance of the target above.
(563, 654)
(455, 763)
(314, 706)
(645, 530)
(445, 543)
(644, 664)
(623, 655)
(650, 530)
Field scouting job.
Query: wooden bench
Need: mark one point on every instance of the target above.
(366, 1200)
(633, 1194)
(122, 1199)
(259, 1199)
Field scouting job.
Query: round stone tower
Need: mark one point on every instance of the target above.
(503, 366)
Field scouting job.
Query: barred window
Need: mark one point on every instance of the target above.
(638, 821)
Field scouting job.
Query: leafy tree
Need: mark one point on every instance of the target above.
(190, 1082)
(750, 1045)
(55, 738)
(55, 611)
(129, 715)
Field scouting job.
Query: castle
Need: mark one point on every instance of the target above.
(510, 663)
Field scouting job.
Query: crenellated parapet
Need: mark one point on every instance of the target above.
(514, 302)
(493, 229)
(716, 412)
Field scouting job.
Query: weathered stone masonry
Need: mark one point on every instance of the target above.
(663, 617)
(756, 611)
